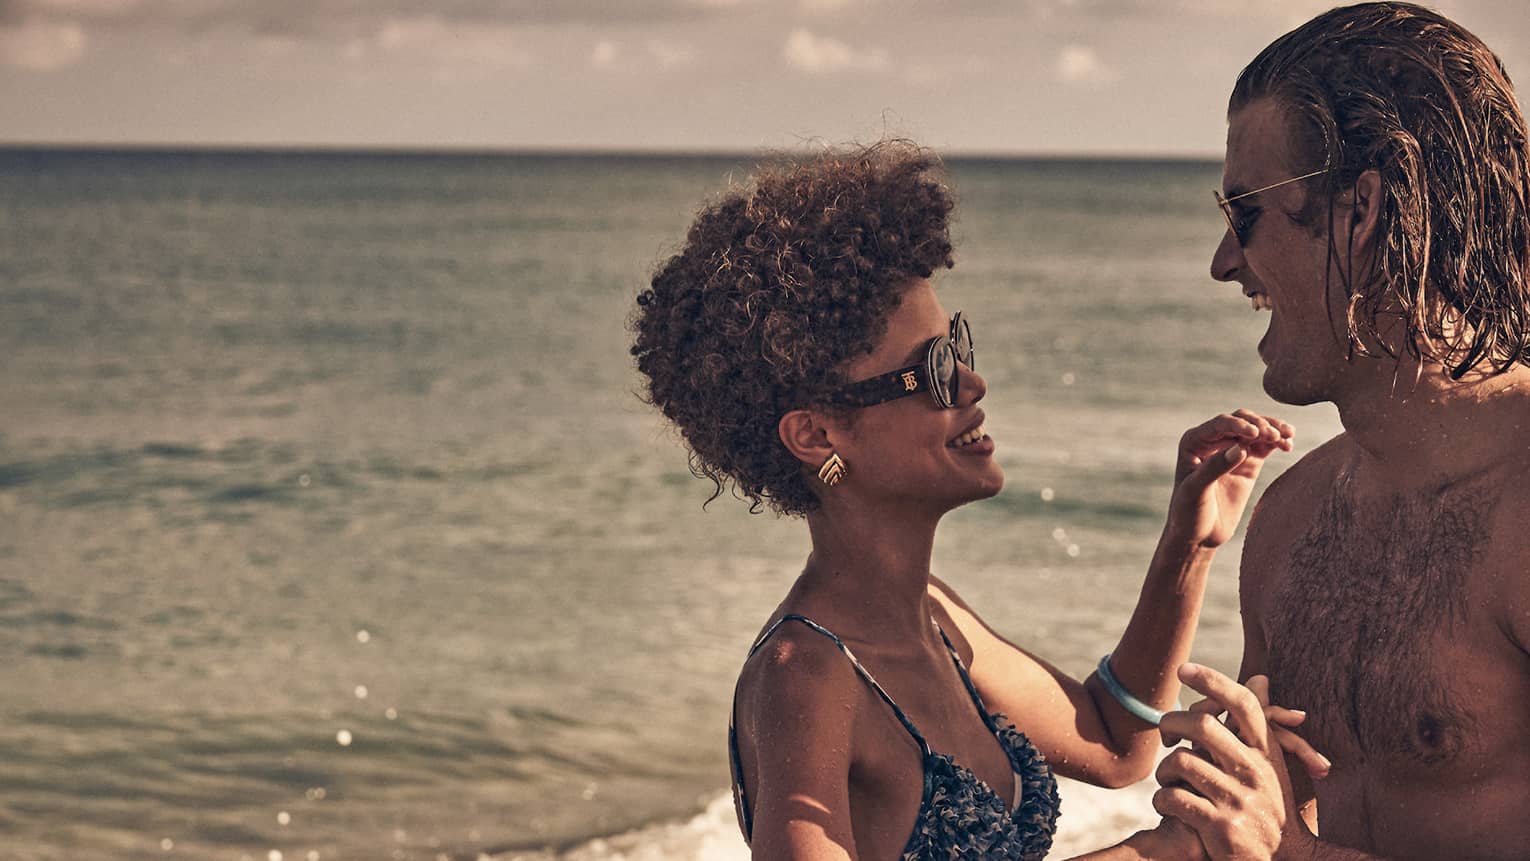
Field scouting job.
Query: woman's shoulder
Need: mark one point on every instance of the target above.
(796, 662)
(798, 688)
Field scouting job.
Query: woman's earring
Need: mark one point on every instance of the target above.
(832, 470)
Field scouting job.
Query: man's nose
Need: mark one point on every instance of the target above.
(1227, 261)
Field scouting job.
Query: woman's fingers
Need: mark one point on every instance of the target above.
(1317, 765)
(1284, 716)
(1258, 433)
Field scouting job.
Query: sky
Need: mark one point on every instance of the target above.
(1038, 77)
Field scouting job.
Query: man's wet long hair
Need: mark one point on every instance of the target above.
(1404, 91)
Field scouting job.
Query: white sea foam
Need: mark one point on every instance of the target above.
(1092, 818)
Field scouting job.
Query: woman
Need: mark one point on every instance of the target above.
(799, 347)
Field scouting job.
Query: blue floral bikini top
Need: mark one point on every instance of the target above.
(960, 816)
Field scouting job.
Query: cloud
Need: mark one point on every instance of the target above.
(603, 54)
(1079, 64)
(327, 18)
(824, 7)
(41, 45)
(820, 54)
(670, 54)
(450, 43)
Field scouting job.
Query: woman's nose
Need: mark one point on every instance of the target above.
(972, 387)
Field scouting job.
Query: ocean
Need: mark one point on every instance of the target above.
(332, 527)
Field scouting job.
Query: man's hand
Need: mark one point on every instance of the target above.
(1234, 790)
(1218, 463)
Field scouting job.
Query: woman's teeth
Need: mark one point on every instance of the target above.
(1261, 302)
(969, 437)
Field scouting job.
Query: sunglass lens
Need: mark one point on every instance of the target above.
(943, 373)
(961, 339)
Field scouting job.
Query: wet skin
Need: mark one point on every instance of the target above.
(1385, 581)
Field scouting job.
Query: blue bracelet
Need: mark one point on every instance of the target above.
(1137, 707)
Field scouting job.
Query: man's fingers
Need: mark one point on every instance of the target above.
(1208, 734)
(1182, 804)
(1317, 765)
(1182, 767)
(1260, 686)
(1243, 706)
(1207, 706)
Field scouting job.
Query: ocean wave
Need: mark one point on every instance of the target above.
(1092, 818)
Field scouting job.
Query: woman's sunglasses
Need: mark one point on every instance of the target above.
(937, 374)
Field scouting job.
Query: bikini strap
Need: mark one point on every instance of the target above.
(741, 804)
(961, 669)
(861, 670)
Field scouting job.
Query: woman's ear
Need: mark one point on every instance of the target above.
(805, 434)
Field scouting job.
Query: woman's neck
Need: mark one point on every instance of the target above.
(872, 568)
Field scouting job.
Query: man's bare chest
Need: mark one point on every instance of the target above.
(1368, 623)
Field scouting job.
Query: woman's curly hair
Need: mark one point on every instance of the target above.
(1404, 91)
(778, 285)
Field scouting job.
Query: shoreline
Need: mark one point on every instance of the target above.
(1092, 818)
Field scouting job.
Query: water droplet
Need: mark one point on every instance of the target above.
(304, 480)
(1047, 494)
(1059, 534)
(589, 792)
(167, 844)
(361, 692)
(1072, 549)
(1068, 379)
(313, 855)
(274, 855)
(344, 737)
(391, 713)
(400, 835)
(363, 636)
(283, 818)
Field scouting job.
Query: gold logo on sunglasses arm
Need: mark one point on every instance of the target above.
(910, 382)
(832, 470)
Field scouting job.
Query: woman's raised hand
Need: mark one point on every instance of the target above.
(1218, 463)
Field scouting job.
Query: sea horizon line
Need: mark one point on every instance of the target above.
(591, 152)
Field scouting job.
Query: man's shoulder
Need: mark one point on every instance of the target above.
(1305, 482)
(1285, 512)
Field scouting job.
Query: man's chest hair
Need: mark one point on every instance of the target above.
(1359, 623)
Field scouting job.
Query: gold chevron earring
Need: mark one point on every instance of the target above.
(832, 470)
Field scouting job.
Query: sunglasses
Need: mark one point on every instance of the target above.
(937, 374)
(1240, 225)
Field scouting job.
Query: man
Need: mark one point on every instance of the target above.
(1378, 204)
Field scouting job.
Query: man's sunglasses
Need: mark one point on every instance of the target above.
(937, 374)
(1240, 225)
